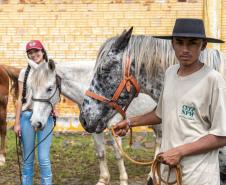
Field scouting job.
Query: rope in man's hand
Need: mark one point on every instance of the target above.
(155, 166)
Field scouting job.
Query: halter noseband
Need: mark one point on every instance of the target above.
(126, 82)
(48, 100)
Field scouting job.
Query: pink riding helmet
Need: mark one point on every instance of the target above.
(34, 44)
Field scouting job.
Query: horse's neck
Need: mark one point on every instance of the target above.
(152, 87)
(73, 91)
(150, 58)
(75, 79)
(152, 64)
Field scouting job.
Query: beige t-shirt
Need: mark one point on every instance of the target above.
(192, 107)
(28, 104)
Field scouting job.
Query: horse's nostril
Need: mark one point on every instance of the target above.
(100, 127)
(89, 128)
(39, 125)
(82, 120)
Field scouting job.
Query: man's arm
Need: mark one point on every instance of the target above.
(144, 120)
(150, 118)
(202, 145)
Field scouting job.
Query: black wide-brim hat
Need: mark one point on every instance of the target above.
(192, 28)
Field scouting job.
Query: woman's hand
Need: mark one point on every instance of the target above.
(121, 128)
(17, 129)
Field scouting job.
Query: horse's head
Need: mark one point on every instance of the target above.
(45, 93)
(109, 73)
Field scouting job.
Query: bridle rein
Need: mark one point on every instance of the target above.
(126, 82)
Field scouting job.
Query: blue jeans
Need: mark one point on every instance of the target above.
(28, 136)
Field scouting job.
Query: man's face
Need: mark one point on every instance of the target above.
(187, 50)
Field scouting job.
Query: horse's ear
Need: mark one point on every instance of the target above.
(124, 31)
(123, 40)
(51, 64)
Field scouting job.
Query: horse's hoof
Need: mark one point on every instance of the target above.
(123, 182)
(2, 160)
(150, 182)
(102, 182)
(2, 163)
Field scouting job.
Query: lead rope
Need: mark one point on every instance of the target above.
(155, 166)
(19, 150)
(156, 170)
(125, 154)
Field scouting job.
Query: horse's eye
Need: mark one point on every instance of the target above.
(107, 67)
(49, 89)
(106, 70)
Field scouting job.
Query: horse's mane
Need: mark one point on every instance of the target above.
(155, 54)
(215, 59)
(13, 74)
(151, 53)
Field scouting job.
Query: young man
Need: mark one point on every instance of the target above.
(192, 109)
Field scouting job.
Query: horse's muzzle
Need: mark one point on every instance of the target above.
(39, 126)
(223, 177)
(88, 127)
(91, 126)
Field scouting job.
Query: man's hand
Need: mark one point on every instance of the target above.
(121, 128)
(171, 157)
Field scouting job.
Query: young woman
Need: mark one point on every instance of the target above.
(191, 109)
(36, 54)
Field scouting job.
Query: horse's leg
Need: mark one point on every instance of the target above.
(158, 139)
(3, 149)
(104, 178)
(222, 163)
(3, 127)
(122, 170)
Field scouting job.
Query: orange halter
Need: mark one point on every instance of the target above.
(125, 83)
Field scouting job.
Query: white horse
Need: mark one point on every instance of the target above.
(74, 81)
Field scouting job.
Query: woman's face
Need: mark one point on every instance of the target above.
(36, 55)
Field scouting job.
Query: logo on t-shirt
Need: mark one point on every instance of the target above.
(188, 112)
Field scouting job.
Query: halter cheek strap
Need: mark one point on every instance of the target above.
(126, 83)
(48, 100)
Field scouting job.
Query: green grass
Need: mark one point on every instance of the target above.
(74, 161)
